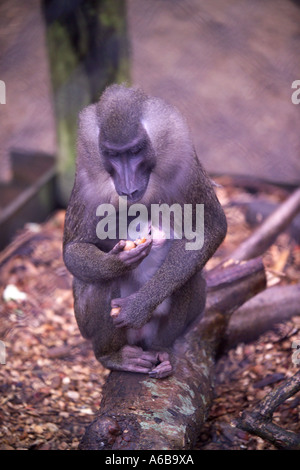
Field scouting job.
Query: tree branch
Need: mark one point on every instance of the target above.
(259, 420)
(268, 231)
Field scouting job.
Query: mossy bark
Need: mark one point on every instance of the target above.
(88, 50)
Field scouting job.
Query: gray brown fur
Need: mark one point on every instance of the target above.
(177, 177)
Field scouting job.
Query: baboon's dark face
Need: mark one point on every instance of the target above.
(129, 164)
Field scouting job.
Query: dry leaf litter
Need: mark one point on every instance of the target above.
(50, 384)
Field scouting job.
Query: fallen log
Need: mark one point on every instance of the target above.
(258, 210)
(138, 412)
(268, 231)
(261, 313)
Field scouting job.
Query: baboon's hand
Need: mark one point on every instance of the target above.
(131, 315)
(132, 258)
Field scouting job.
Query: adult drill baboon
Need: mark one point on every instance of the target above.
(134, 145)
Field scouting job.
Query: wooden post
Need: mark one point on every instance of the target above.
(88, 50)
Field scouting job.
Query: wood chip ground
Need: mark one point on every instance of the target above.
(50, 386)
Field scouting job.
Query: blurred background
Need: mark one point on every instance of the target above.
(227, 65)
